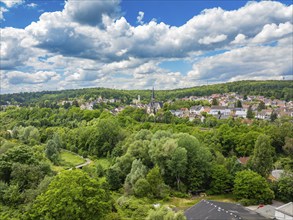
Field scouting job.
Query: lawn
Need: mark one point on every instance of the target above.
(184, 203)
(69, 159)
(104, 162)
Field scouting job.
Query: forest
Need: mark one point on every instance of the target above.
(279, 89)
(137, 160)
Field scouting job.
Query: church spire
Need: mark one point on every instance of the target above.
(153, 94)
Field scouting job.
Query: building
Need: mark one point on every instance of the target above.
(211, 210)
(283, 212)
(153, 107)
(196, 109)
(240, 112)
(220, 110)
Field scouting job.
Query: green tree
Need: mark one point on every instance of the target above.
(262, 158)
(155, 180)
(198, 163)
(238, 104)
(261, 106)
(233, 166)
(273, 116)
(113, 177)
(52, 152)
(72, 195)
(141, 188)
(285, 187)
(138, 170)
(215, 101)
(249, 113)
(251, 188)
(288, 147)
(221, 180)
(28, 176)
(11, 196)
(105, 137)
(29, 135)
(20, 154)
(178, 164)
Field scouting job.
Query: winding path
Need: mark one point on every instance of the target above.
(88, 161)
(80, 166)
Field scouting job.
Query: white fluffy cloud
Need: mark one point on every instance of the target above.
(271, 32)
(2, 11)
(90, 45)
(8, 4)
(32, 5)
(61, 32)
(91, 12)
(255, 62)
(14, 48)
(17, 77)
(212, 39)
(11, 3)
(140, 17)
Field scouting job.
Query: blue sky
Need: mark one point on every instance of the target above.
(48, 45)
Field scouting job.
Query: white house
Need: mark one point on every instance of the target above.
(222, 110)
(196, 109)
(240, 112)
(284, 212)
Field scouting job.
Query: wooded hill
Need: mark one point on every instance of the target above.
(272, 88)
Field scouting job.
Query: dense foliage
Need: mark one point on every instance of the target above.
(136, 159)
(72, 195)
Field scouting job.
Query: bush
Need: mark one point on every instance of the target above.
(285, 188)
(251, 188)
(141, 188)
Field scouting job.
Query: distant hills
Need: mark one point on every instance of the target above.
(280, 89)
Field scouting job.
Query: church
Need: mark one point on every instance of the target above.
(153, 107)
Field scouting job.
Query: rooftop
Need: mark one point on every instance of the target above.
(220, 210)
(286, 209)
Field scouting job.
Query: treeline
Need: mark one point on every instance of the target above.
(271, 89)
(150, 159)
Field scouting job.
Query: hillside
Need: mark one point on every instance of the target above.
(272, 88)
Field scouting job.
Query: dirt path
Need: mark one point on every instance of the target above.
(88, 161)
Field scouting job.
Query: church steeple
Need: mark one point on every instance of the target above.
(153, 94)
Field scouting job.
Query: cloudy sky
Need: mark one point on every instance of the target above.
(126, 44)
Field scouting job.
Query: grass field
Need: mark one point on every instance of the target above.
(184, 203)
(104, 162)
(69, 159)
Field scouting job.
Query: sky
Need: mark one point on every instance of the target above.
(137, 44)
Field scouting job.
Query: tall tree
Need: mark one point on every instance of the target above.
(262, 158)
(215, 101)
(238, 104)
(155, 180)
(178, 164)
(261, 106)
(52, 152)
(220, 180)
(198, 163)
(249, 113)
(273, 116)
(72, 195)
(285, 187)
(138, 171)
